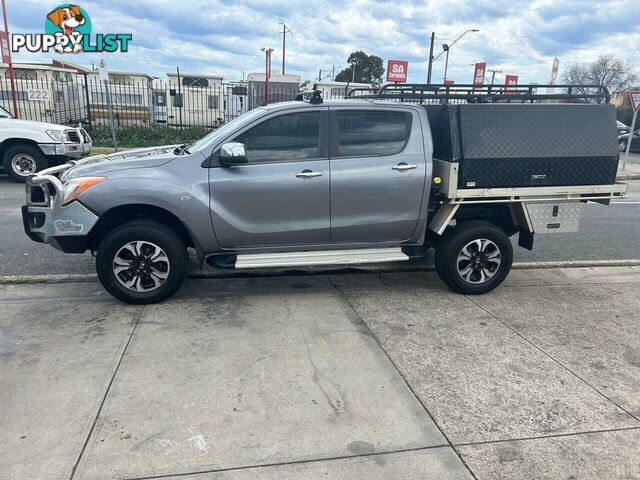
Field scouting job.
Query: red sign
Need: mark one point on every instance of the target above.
(4, 45)
(510, 81)
(449, 82)
(397, 71)
(634, 96)
(478, 74)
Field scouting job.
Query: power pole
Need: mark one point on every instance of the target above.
(493, 74)
(285, 30)
(320, 75)
(433, 37)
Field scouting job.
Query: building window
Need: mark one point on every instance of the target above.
(178, 100)
(195, 82)
(213, 101)
(23, 74)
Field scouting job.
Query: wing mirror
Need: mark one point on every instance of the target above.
(232, 153)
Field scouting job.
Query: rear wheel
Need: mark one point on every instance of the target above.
(142, 262)
(21, 161)
(474, 257)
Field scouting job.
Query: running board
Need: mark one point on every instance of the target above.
(328, 257)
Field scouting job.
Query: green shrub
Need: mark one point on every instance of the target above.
(147, 136)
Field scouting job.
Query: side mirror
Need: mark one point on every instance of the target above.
(232, 153)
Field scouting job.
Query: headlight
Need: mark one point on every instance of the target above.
(75, 187)
(55, 135)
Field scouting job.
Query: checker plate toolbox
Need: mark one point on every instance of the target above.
(543, 150)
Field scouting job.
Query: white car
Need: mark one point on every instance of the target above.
(26, 147)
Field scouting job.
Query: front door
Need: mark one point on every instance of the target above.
(378, 172)
(281, 196)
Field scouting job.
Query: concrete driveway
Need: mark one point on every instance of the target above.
(366, 376)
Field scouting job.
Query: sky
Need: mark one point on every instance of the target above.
(225, 37)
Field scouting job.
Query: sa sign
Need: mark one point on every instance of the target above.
(397, 71)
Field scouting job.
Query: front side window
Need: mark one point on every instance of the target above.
(289, 137)
(372, 133)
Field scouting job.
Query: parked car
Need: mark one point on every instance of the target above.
(635, 142)
(27, 147)
(337, 182)
(622, 128)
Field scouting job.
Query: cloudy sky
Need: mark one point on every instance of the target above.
(225, 36)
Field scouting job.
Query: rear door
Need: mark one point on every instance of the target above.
(378, 172)
(281, 196)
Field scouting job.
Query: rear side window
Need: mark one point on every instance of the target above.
(289, 137)
(372, 133)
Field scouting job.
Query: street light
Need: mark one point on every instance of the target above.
(447, 47)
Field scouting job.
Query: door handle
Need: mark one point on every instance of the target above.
(403, 167)
(308, 174)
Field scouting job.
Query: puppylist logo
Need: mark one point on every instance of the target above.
(68, 30)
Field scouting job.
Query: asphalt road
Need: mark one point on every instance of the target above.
(606, 233)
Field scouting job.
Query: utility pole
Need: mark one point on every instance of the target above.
(12, 74)
(285, 30)
(493, 74)
(320, 75)
(433, 37)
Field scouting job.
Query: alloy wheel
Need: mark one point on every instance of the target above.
(141, 266)
(478, 261)
(23, 164)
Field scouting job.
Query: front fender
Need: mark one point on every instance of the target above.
(180, 187)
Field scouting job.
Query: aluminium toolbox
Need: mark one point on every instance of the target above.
(525, 144)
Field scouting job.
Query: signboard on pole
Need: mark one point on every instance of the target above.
(4, 44)
(510, 82)
(449, 82)
(634, 98)
(397, 71)
(102, 70)
(478, 74)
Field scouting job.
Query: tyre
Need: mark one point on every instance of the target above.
(622, 145)
(20, 161)
(142, 262)
(474, 257)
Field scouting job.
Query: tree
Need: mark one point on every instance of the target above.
(364, 69)
(608, 70)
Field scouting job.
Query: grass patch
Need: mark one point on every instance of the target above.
(146, 136)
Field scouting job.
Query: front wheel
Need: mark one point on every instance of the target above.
(21, 161)
(474, 257)
(142, 262)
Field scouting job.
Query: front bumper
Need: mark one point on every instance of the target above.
(71, 150)
(45, 220)
(77, 144)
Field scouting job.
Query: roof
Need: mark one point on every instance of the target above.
(340, 102)
(196, 75)
(38, 66)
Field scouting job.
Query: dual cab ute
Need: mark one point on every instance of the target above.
(28, 147)
(350, 181)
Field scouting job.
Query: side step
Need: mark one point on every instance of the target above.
(328, 257)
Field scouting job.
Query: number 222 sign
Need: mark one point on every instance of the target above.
(37, 94)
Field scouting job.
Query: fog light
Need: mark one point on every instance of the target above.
(437, 180)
